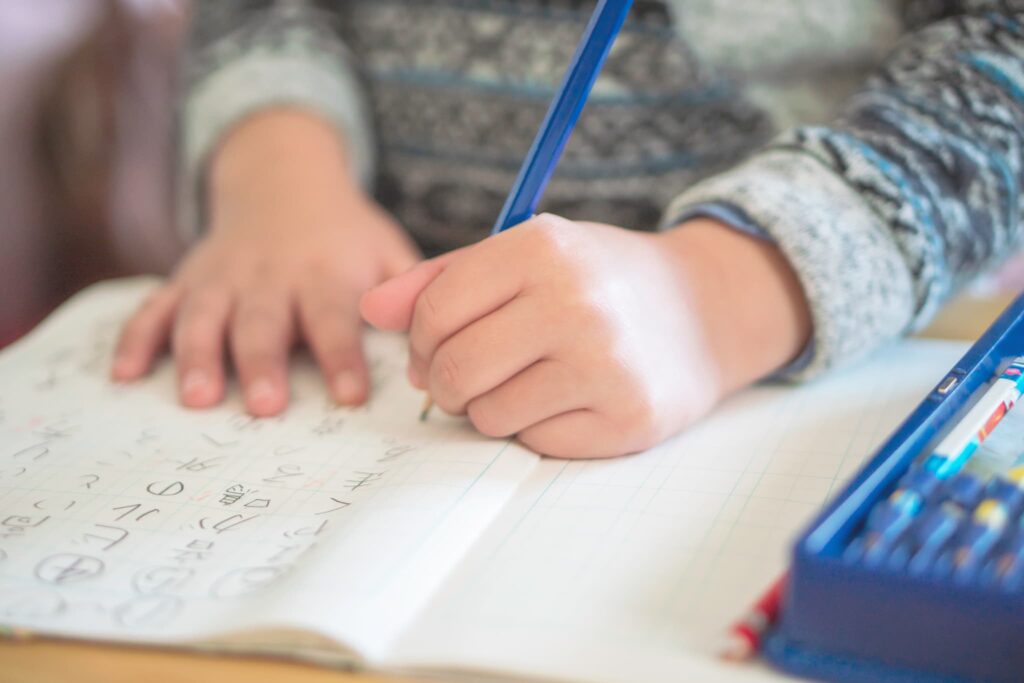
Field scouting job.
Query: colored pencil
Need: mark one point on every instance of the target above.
(746, 635)
(540, 162)
(954, 450)
(946, 460)
(561, 117)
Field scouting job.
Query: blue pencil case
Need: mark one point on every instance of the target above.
(936, 594)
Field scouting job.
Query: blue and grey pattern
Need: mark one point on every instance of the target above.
(931, 148)
(459, 89)
(878, 143)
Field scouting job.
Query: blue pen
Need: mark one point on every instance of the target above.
(565, 109)
(977, 540)
(1003, 502)
(926, 539)
(966, 490)
(1007, 568)
(891, 518)
(1008, 489)
(546, 150)
(937, 530)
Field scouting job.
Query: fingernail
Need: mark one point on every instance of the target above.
(194, 382)
(260, 391)
(124, 366)
(347, 388)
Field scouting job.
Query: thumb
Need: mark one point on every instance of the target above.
(390, 305)
(400, 255)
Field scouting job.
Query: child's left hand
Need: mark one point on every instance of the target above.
(589, 340)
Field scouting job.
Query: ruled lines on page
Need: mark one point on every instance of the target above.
(125, 516)
(633, 569)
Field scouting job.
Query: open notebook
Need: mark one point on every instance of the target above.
(366, 538)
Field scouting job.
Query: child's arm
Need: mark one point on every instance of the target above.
(273, 140)
(243, 56)
(588, 340)
(912, 192)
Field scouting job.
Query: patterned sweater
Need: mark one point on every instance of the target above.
(879, 143)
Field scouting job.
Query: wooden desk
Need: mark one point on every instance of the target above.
(60, 662)
(966, 317)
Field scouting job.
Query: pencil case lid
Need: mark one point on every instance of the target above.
(851, 621)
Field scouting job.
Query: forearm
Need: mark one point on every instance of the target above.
(247, 57)
(910, 193)
(279, 154)
(756, 317)
(934, 145)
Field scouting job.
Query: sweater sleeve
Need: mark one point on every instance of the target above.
(910, 193)
(245, 55)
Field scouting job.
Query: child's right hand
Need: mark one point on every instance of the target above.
(292, 243)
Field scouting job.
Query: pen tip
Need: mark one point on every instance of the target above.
(425, 412)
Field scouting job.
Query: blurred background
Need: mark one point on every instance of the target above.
(87, 98)
(87, 106)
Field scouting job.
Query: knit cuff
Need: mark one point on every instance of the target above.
(857, 284)
(255, 81)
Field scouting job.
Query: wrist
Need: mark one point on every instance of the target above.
(280, 156)
(755, 316)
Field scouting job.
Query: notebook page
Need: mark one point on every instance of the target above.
(632, 569)
(124, 516)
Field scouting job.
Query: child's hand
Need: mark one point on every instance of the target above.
(589, 340)
(292, 243)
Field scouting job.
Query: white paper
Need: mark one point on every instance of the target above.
(633, 569)
(125, 516)
(423, 547)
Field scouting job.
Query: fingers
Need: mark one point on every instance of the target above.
(543, 390)
(145, 334)
(198, 344)
(389, 306)
(580, 434)
(333, 330)
(483, 355)
(480, 281)
(262, 330)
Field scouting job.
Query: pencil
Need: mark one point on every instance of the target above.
(952, 453)
(745, 636)
(554, 132)
(425, 410)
